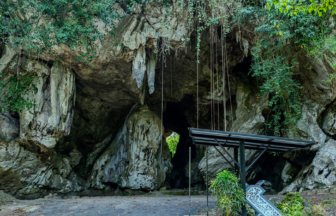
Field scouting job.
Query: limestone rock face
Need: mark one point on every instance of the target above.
(248, 119)
(288, 173)
(9, 128)
(52, 115)
(329, 121)
(26, 173)
(308, 126)
(134, 159)
(196, 177)
(320, 172)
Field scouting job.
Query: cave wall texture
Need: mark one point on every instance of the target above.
(97, 126)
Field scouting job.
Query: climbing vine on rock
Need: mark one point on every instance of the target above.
(40, 25)
(14, 91)
(281, 40)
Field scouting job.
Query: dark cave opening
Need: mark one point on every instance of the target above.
(174, 119)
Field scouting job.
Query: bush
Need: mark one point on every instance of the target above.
(292, 205)
(228, 192)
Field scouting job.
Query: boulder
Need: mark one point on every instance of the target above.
(134, 158)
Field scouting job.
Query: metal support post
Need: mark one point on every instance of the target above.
(189, 176)
(224, 157)
(242, 172)
(206, 155)
(235, 155)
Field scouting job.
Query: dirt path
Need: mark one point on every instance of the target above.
(154, 204)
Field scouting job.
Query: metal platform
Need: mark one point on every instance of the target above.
(255, 142)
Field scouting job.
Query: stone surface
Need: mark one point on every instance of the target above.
(196, 177)
(133, 159)
(26, 172)
(308, 127)
(320, 172)
(75, 157)
(51, 117)
(329, 121)
(248, 119)
(286, 174)
(9, 128)
(98, 96)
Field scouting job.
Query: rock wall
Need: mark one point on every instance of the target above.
(97, 125)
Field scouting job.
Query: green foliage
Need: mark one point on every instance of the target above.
(40, 25)
(172, 142)
(282, 39)
(37, 26)
(292, 205)
(294, 7)
(230, 197)
(13, 93)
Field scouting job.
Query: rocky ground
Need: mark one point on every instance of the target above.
(154, 203)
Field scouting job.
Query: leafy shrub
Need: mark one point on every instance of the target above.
(13, 93)
(172, 142)
(292, 205)
(228, 192)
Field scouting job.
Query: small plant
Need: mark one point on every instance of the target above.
(230, 197)
(172, 142)
(292, 205)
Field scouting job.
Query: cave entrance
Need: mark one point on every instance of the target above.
(175, 120)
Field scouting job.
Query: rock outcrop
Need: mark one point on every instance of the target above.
(96, 124)
(10, 127)
(26, 172)
(51, 117)
(248, 119)
(134, 159)
(320, 172)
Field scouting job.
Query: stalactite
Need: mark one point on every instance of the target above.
(139, 66)
(151, 64)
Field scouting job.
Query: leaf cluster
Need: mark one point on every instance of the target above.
(172, 142)
(228, 192)
(292, 205)
(14, 91)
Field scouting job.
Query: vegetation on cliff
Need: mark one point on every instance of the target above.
(281, 33)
